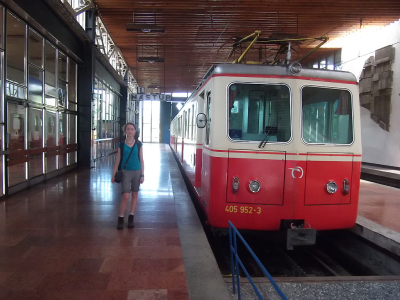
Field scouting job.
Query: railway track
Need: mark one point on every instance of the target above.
(337, 254)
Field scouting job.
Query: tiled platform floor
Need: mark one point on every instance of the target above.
(380, 204)
(58, 240)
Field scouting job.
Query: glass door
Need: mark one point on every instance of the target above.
(151, 122)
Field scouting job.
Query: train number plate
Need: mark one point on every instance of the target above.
(243, 209)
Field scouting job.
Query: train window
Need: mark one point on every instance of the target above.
(259, 112)
(189, 123)
(327, 116)
(191, 134)
(208, 118)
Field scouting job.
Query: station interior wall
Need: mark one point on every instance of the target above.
(380, 147)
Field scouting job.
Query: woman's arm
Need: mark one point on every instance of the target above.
(116, 164)
(141, 164)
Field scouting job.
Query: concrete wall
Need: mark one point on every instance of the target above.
(379, 146)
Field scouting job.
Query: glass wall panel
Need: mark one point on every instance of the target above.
(1, 29)
(35, 49)
(331, 62)
(16, 41)
(62, 79)
(2, 157)
(72, 137)
(51, 141)
(35, 84)
(50, 68)
(16, 123)
(72, 85)
(62, 66)
(15, 90)
(155, 122)
(73, 157)
(146, 121)
(62, 93)
(16, 143)
(35, 141)
(104, 118)
(95, 108)
(1, 87)
(62, 139)
(72, 129)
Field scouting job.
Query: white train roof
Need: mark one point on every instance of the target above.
(281, 70)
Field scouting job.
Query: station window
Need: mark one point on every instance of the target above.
(259, 112)
(50, 74)
(327, 116)
(330, 61)
(15, 54)
(35, 141)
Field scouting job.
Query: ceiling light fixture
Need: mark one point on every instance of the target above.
(146, 28)
(150, 59)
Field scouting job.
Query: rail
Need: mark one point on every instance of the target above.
(235, 262)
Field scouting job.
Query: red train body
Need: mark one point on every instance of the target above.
(277, 147)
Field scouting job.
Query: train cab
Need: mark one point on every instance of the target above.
(274, 147)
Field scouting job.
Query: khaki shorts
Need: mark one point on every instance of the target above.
(130, 181)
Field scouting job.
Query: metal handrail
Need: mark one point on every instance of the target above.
(233, 232)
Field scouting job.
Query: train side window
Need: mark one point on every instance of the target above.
(327, 116)
(189, 123)
(259, 112)
(185, 118)
(208, 118)
(194, 127)
(192, 121)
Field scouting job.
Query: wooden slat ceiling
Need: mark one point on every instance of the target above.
(196, 29)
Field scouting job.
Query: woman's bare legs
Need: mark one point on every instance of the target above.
(122, 208)
(133, 202)
(124, 201)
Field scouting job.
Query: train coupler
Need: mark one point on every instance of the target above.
(300, 236)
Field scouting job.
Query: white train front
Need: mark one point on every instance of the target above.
(279, 146)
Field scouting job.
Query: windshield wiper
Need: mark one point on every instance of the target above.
(269, 130)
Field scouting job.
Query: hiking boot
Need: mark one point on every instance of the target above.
(130, 221)
(120, 225)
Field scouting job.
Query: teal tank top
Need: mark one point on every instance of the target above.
(133, 163)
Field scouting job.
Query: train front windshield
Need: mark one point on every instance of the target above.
(259, 112)
(327, 116)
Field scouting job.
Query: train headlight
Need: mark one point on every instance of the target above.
(295, 67)
(331, 187)
(254, 186)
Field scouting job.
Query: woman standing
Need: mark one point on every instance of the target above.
(133, 173)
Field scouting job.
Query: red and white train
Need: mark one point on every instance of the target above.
(269, 147)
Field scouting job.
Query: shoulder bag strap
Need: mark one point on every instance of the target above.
(121, 147)
(139, 145)
(128, 156)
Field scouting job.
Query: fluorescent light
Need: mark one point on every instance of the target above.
(146, 28)
(150, 59)
(179, 95)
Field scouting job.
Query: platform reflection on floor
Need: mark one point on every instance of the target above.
(380, 204)
(58, 240)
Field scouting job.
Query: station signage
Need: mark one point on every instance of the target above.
(152, 97)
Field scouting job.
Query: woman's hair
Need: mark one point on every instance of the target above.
(124, 127)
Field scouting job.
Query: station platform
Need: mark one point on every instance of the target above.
(58, 239)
